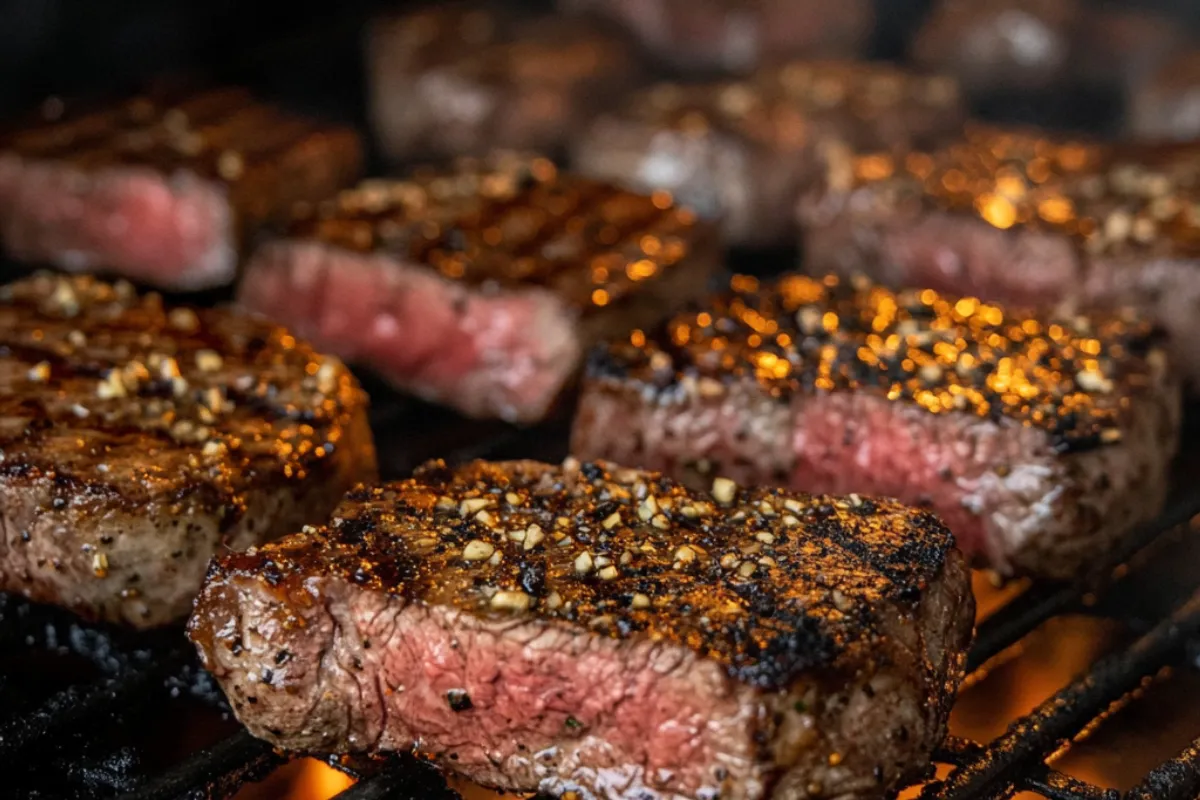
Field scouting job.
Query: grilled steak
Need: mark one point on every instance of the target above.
(460, 80)
(136, 440)
(1000, 44)
(1010, 217)
(1167, 104)
(165, 187)
(479, 286)
(601, 630)
(740, 35)
(1038, 442)
(744, 150)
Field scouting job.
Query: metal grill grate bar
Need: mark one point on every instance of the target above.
(1058, 719)
(407, 778)
(1042, 602)
(215, 772)
(1177, 779)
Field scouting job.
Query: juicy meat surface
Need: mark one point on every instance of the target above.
(1020, 219)
(742, 151)
(1038, 441)
(163, 188)
(137, 440)
(739, 35)
(602, 630)
(462, 79)
(1000, 44)
(480, 286)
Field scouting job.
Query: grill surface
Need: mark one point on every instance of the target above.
(92, 712)
(86, 735)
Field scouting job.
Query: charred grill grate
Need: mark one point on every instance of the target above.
(84, 733)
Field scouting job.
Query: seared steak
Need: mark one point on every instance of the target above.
(602, 630)
(137, 440)
(1000, 44)
(461, 79)
(740, 35)
(1038, 442)
(742, 151)
(478, 287)
(1011, 217)
(1167, 104)
(163, 188)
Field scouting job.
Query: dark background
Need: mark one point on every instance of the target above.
(306, 51)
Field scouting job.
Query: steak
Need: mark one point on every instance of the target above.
(1018, 219)
(1000, 44)
(1038, 442)
(136, 440)
(460, 79)
(742, 151)
(163, 188)
(1167, 104)
(480, 286)
(739, 35)
(602, 630)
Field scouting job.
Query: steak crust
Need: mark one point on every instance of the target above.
(136, 440)
(603, 630)
(1038, 441)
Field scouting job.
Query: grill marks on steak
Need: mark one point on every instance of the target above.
(743, 150)
(136, 439)
(1037, 440)
(1011, 217)
(192, 173)
(463, 79)
(601, 629)
(479, 286)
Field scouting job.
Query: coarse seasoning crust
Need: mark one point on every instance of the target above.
(117, 398)
(1130, 200)
(1072, 378)
(766, 582)
(512, 220)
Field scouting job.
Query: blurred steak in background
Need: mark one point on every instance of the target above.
(740, 35)
(999, 44)
(1167, 104)
(462, 79)
(741, 151)
(479, 286)
(164, 188)
(1039, 442)
(1015, 217)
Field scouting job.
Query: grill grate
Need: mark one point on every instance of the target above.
(79, 724)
